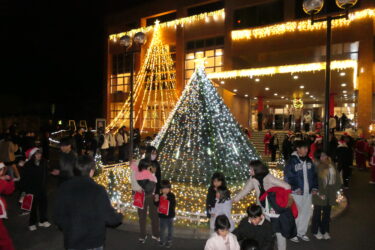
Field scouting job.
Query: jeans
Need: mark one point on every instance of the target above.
(166, 224)
(320, 219)
(96, 248)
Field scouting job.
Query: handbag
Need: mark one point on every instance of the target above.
(163, 206)
(139, 199)
(27, 202)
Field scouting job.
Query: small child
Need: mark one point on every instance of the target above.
(256, 227)
(6, 187)
(222, 239)
(217, 180)
(166, 221)
(223, 206)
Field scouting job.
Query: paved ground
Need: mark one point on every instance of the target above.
(352, 230)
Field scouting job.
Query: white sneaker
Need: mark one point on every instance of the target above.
(156, 238)
(318, 236)
(294, 239)
(304, 237)
(32, 228)
(326, 236)
(142, 240)
(44, 224)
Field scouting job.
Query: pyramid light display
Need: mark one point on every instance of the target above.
(154, 89)
(202, 137)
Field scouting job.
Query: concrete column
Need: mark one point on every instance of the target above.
(365, 84)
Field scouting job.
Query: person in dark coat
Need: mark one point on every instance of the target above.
(166, 221)
(79, 140)
(35, 174)
(67, 161)
(256, 227)
(344, 160)
(274, 146)
(83, 210)
(332, 146)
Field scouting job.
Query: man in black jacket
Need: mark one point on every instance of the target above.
(257, 228)
(83, 210)
(67, 161)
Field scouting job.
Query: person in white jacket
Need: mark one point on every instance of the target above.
(222, 239)
(261, 180)
(223, 206)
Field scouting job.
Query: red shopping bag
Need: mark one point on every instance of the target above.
(139, 199)
(163, 206)
(27, 202)
(3, 211)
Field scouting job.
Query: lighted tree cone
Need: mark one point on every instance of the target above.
(201, 137)
(154, 89)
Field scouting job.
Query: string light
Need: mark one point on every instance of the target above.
(297, 68)
(299, 26)
(216, 15)
(155, 92)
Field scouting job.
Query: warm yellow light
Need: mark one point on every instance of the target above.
(216, 15)
(299, 26)
(297, 68)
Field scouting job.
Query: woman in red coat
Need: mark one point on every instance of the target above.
(6, 187)
(361, 151)
(267, 140)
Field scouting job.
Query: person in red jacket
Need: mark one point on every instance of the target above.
(361, 149)
(267, 140)
(6, 187)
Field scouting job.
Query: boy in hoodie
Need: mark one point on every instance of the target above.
(301, 175)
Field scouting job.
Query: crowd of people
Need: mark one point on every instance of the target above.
(82, 208)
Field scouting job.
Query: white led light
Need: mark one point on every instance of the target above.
(222, 82)
(301, 87)
(275, 94)
(343, 84)
(295, 77)
(267, 88)
(342, 74)
(257, 79)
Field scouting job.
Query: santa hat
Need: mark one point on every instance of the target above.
(2, 165)
(31, 152)
(342, 142)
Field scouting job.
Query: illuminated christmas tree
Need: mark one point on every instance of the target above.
(201, 137)
(154, 89)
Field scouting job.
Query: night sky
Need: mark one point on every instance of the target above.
(52, 52)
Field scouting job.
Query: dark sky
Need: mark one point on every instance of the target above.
(52, 52)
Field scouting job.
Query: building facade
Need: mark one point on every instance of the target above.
(264, 56)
